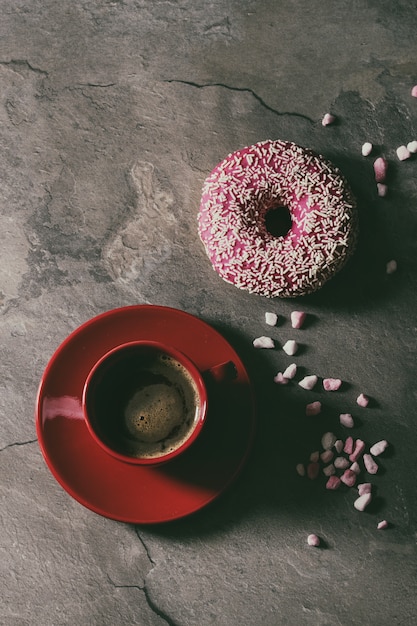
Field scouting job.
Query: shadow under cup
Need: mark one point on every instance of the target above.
(144, 403)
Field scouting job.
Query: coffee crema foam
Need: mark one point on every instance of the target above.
(162, 413)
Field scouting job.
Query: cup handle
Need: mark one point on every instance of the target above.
(223, 372)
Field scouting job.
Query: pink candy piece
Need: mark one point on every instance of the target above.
(332, 384)
(297, 318)
(348, 447)
(313, 470)
(364, 488)
(383, 524)
(382, 189)
(346, 420)
(380, 169)
(333, 483)
(280, 379)
(414, 91)
(362, 400)
(328, 119)
(348, 478)
(357, 450)
(314, 408)
(313, 540)
(362, 502)
(370, 465)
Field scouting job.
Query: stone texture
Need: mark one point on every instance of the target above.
(111, 116)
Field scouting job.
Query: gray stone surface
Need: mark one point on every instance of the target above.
(112, 114)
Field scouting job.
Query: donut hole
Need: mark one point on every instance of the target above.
(278, 221)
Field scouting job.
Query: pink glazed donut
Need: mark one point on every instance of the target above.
(232, 221)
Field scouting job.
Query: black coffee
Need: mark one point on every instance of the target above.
(146, 402)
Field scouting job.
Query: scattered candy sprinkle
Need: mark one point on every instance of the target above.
(362, 502)
(314, 408)
(328, 440)
(348, 478)
(380, 169)
(357, 451)
(326, 456)
(362, 400)
(271, 319)
(314, 456)
(366, 148)
(364, 488)
(382, 190)
(346, 420)
(379, 447)
(338, 446)
(403, 153)
(355, 468)
(308, 382)
(412, 147)
(332, 384)
(291, 371)
(328, 119)
(280, 379)
(297, 319)
(383, 524)
(290, 347)
(329, 470)
(333, 483)
(370, 464)
(313, 540)
(414, 91)
(341, 462)
(263, 342)
(348, 447)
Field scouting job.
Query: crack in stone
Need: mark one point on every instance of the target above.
(18, 443)
(14, 64)
(243, 90)
(150, 602)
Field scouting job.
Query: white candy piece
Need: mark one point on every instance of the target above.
(378, 447)
(346, 420)
(355, 467)
(291, 371)
(338, 445)
(412, 147)
(382, 190)
(366, 148)
(362, 502)
(329, 470)
(370, 465)
(364, 488)
(297, 319)
(263, 342)
(300, 469)
(328, 119)
(308, 382)
(391, 267)
(341, 462)
(403, 153)
(383, 524)
(280, 379)
(271, 319)
(290, 347)
(328, 440)
(326, 456)
(313, 540)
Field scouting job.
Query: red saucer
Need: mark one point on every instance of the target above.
(131, 493)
